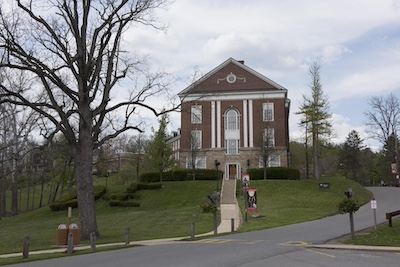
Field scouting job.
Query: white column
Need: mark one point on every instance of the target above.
(245, 127)
(212, 124)
(218, 124)
(251, 123)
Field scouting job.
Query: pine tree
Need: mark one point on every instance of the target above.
(350, 153)
(315, 116)
(159, 153)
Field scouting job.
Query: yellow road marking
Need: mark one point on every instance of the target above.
(215, 241)
(224, 241)
(295, 244)
(252, 242)
(320, 253)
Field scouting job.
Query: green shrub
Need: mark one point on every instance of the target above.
(122, 196)
(124, 199)
(208, 207)
(181, 175)
(119, 203)
(70, 200)
(149, 186)
(285, 173)
(134, 187)
(348, 205)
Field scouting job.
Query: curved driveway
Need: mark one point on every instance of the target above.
(272, 247)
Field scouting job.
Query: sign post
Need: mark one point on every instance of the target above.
(373, 207)
(245, 185)
(251, 199)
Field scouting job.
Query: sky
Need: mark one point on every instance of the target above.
(357, 44)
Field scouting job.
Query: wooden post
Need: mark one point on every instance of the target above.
(70, 243)
(127, 236)
(25, 253)
(352, 225)
(215, 222)
(192, 231)
(69, 217)
(93, 241)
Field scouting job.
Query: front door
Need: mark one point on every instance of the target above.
(232, 171)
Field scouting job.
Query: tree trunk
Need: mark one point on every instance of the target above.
(3, 187)
(84, 179)
(315, 156)
(41, 191)
(14, 189)
(33, 192)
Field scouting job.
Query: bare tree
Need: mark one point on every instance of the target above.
(21, 123)
(383, 117)
(74, 50)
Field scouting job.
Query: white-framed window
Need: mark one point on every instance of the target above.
(272, 161)
(269, 137)
(232, 146)
(268, 112)
(199, 162)
(196, 140)
(196, 112)
(232, 120)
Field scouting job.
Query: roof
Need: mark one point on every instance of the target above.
(232, 76)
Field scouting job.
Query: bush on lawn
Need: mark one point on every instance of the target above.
(284, 173)
(70, 200)
(119, 203)
(181, 175)
(124, 199)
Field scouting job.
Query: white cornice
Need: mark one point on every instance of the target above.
(254, 95)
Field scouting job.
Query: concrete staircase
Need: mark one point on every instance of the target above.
(229, 208)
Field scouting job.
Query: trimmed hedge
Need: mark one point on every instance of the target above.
(119, 203)
(284, 173)
(181, 175)
(124, 199)
(134, 187)
(71, 200)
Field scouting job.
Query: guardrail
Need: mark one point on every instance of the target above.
(390, 215)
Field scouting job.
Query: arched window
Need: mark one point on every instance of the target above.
(232, 120)
(232, 132)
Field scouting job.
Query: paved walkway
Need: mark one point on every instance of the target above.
(230, 212)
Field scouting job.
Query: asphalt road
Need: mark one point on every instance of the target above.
(281, 246)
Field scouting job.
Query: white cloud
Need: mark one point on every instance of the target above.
(357, 42)
(332, 53)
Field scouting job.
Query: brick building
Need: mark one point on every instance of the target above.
(236, 117)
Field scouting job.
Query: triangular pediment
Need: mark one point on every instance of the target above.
(232, 76)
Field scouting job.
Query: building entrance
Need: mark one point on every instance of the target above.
(232, 170)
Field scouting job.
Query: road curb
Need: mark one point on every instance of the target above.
(354, 247)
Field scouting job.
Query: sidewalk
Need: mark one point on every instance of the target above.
(230, 211)
(87, 247)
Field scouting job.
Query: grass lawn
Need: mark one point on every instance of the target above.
(382, 236)
(289, 202)
(168, 212)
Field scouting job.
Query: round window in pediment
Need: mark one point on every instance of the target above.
(231, 78)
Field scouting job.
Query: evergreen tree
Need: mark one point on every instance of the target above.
(159, 153)
(315, 116)
(350, 154)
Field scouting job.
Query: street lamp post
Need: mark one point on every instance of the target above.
(217, 163)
